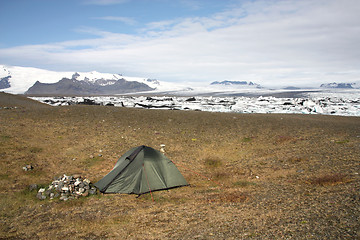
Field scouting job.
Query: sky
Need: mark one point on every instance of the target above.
(269, 42)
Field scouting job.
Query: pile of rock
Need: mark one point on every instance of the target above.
(28, 167)
(67, 187)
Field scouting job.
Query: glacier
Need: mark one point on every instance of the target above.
(346, 104)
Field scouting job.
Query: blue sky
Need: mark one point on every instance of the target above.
(271, 42)
(42, 21)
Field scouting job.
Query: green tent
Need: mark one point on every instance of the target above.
(141, 170)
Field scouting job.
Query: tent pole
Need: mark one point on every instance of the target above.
(148, 183)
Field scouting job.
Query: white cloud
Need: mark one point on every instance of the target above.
(268, 42)
(126, 20)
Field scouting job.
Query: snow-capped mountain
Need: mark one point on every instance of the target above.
(72, 86)
(355, 85)
(18, 80)
(235, 83)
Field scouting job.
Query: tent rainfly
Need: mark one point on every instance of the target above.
(141, 170)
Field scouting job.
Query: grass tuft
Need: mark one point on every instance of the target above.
(36, 149)
(92, 161)
(234, 197)
(220, 175)
(4, 137)
(212, 162)
(36, 173)
(243, 183)
(229, 197)
(246, 139)
(329, 179)
(284, 139)
(4, 176)
(120, 220)
(297, 159)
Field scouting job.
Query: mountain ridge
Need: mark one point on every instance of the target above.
(75, 87)
(353, 85)
(18, 80)
(237, 83)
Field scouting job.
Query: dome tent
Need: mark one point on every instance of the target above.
(141, 170)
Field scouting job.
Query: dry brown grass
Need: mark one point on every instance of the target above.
(212, 162)
(329, 179)
(259, 167)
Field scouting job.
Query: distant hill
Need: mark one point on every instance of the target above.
(72, 86)
(341, 85)
(235, 83)
(291, 88)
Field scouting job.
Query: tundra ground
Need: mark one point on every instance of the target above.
(252, 176)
